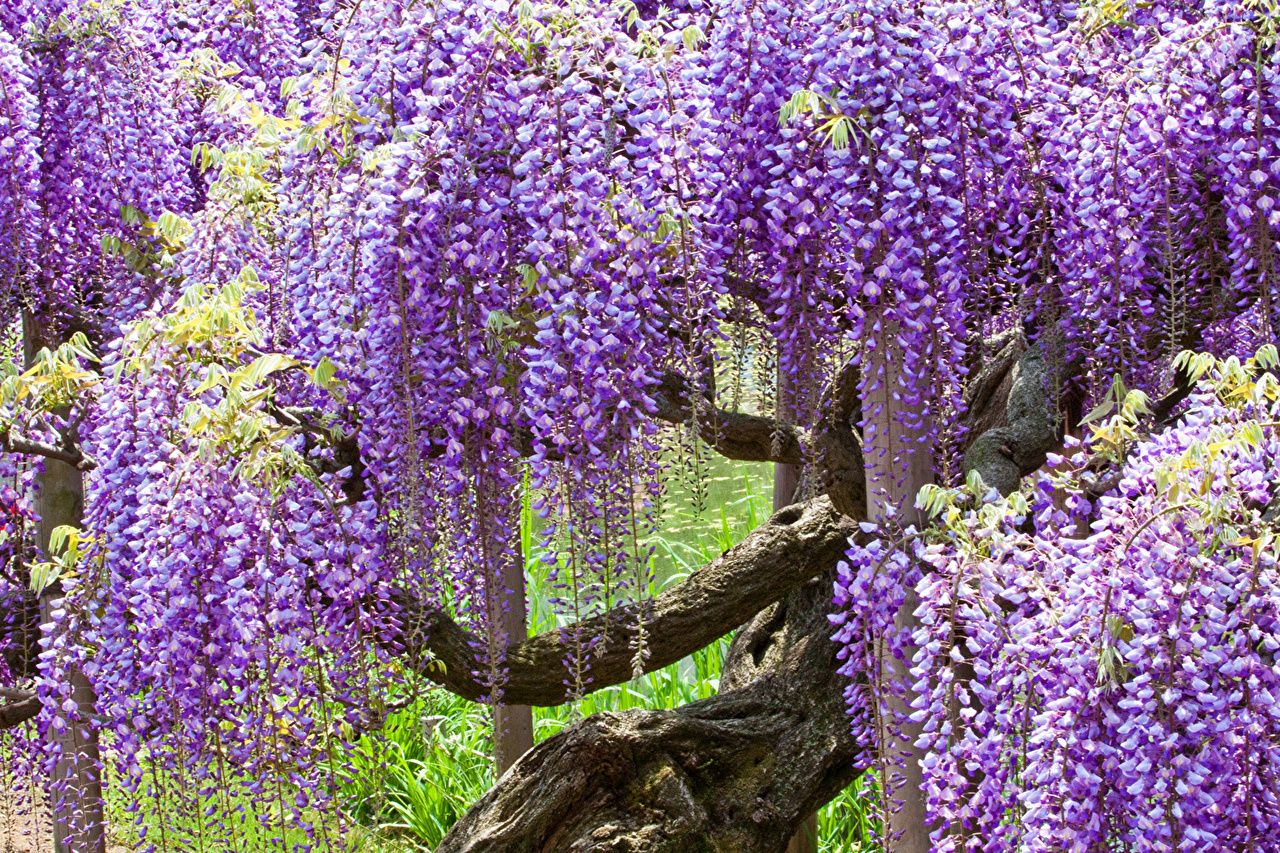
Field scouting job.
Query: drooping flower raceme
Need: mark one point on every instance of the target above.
(1106, 672)
(365, 278)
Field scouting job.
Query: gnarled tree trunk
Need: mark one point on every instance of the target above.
(736, 772)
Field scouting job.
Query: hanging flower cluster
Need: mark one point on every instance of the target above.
(107, 164)
(490, 274)
(1102, 671)
(363, 277)
(1169, 181)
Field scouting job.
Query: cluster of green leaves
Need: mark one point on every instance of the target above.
(1199, 479)
(152, 245)
(835, 127)
(531, 36)
(651, 44)
(56, 380)
(1097, 16)
(971, 516)
(1265, 23)
(1114, 422)
(247, 171)
(231, 410)
(92, 20)
(45, 400)
(68, 548)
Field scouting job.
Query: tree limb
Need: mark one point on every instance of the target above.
(17, 707)
(749, 438)
(791, 548)
(1005, 452)
(737, 771)
(72, 454)
(797, 544)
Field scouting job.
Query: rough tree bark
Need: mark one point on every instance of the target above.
(736, 772)
(19, 706)
(741, 770)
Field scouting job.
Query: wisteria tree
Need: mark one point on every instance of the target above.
(307, 301)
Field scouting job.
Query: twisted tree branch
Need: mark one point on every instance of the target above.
(797, 544)
(1005, 452)
(734, 772)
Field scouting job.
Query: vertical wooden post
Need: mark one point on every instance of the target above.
(79, 820)
(786, 480)
(512, 724)
(79, 823)
(898, 464)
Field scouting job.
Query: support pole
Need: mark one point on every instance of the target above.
(512, 724)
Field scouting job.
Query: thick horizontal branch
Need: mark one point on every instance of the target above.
(734, 435)
(71, 455)
(17, 706)
(797, 544)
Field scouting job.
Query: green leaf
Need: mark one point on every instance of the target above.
(529, 275)
(173, 227)
(692, 37)
(800, 102)
(322, 374)
(265, 365)
(1099, 412)
(838, 130)
(59, 537)
(43, 575)
(214, 376)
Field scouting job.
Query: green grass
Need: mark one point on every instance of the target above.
(848, 823)
(181, 821)
(422, 771)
